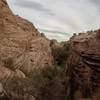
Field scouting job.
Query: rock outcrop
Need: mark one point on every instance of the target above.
(84, 66)
(22, 48)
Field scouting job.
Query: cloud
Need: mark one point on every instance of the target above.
(59, 37)
(53, 31)
(96, 4)
(59, 18)
(33, 5)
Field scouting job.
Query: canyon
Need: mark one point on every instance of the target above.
(32, 67)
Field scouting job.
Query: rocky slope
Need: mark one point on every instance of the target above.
(22, 47)
(84, 66)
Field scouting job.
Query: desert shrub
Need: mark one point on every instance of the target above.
(60, 54)
(53, 79)
(42, 84)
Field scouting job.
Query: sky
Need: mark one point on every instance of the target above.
(59, 19)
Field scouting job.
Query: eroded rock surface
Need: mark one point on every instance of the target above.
(84, 66)
(22, 48)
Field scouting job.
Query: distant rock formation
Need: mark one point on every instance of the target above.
(84, 66)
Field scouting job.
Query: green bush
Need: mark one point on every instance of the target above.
(60, 54)
(53, 79)
(48, 84)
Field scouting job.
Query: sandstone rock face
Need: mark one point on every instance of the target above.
(22, 48)
(84, 66)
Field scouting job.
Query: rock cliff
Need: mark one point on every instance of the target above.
(22, 47)
(84, 66)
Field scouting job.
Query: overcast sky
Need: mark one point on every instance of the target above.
(58, 19)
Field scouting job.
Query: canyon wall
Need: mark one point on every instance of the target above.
(22, 47)
(84, 66)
